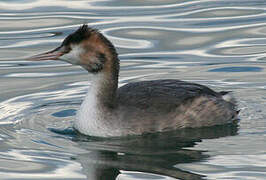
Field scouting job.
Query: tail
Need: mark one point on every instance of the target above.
(228, 96)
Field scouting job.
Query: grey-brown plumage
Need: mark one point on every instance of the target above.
(169, 92)
(136, 108)
(162, 105)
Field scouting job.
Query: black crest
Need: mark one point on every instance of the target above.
(79, 35)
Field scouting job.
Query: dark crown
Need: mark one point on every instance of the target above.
(79, 35)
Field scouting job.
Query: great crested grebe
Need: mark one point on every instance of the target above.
(140, 107)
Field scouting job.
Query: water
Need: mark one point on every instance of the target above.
(217, 43)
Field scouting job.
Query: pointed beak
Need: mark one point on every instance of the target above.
(51, 55)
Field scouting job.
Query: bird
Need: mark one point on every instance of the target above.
(136, 108)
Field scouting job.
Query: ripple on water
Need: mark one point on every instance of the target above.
(243, 50)
(28, 164)
(226, 12)
(239, 166)
(217, 43)
(32, 75)
(237, 69)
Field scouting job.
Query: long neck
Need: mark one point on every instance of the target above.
(105, 83)
(99, 102)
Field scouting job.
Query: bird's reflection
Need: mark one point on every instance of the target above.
(151, 153)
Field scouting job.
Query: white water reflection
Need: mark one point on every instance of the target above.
(17, 5)
(216, 43)
(218, 166)
(34, 167)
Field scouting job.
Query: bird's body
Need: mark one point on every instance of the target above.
(140, 107)
(153, 106)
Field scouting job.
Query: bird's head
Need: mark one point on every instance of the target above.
(85, 47)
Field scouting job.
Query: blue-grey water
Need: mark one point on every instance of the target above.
(221, 44)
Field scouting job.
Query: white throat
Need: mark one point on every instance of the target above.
(90, 117)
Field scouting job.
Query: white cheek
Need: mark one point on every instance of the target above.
(73, 56)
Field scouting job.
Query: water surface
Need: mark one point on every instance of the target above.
(221, 44)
